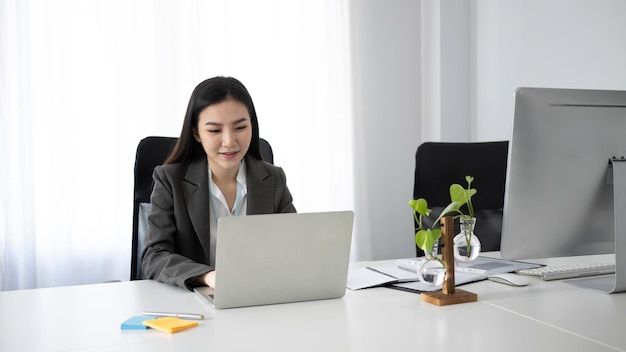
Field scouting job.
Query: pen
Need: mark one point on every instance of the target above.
(177, 315)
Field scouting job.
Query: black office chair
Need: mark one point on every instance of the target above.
(440, 164)
(153, 151)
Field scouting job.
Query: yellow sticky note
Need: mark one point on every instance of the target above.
(170, 324)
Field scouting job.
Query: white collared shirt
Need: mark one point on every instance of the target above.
(219, 206)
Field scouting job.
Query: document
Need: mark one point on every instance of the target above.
(486, 266)
(378, 276)
(460, 278)
(394, 276)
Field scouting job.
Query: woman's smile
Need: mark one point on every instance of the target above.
(229, 155)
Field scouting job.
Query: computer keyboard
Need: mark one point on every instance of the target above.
(548, 273)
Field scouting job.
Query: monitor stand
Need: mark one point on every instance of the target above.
(617, 282)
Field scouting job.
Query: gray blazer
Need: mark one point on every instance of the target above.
(177, 242)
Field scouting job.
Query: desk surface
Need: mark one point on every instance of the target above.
(541, 316)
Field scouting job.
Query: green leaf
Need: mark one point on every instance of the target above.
(420, 206)
(451, 208)
(425, 239)
(461, 195)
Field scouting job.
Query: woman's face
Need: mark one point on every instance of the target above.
(225, 132)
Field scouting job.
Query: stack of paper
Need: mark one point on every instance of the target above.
(393, 276)
(136, 322)
(170, 324)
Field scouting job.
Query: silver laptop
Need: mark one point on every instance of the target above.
(280, 258)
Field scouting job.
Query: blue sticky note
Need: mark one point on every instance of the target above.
(136, 322)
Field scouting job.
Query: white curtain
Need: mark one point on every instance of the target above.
(81, 82)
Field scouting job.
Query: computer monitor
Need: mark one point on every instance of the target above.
(560, 199)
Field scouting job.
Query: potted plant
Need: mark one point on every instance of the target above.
(467, 245)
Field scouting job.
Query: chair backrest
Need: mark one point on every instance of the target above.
(266, 151)
(440, 164)
(153, 151)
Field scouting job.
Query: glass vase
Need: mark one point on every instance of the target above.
(431, 271)
(466, 243)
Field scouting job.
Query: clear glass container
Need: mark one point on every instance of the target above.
(430, 270)
(466, 243)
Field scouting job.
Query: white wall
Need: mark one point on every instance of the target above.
(447, 69)
(386, 75)
(542, 43)
(445, 60)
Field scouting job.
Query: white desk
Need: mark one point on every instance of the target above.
(543, 316)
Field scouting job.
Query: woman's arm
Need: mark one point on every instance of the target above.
(285, 200)
(170, 240)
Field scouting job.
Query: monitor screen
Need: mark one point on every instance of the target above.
(557, 200)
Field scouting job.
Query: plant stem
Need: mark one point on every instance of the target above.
(470, 207)
(468, 240)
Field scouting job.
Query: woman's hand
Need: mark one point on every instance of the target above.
(208, 279)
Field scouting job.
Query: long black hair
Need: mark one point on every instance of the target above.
(212, 91)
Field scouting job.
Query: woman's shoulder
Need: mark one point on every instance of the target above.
(178, 169)
(257, 164)
(170, 168)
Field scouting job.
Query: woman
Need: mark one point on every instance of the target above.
(215, 170)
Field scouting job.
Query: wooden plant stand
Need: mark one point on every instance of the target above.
(448, 294)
